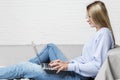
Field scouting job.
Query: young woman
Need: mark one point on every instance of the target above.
(81, 68)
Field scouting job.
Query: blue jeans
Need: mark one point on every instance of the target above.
(32, 69)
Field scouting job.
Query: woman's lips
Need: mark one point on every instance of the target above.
(89, 23)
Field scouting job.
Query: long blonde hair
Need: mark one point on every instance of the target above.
(98, 12)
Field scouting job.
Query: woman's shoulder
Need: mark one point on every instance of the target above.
(104, 31)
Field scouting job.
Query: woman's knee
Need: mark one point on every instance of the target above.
(27, 67)
(51, 45)
(30, 69)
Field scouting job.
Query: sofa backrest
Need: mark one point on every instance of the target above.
(110, 68)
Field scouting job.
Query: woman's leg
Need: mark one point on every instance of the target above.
(49, 53)
(34, 71)
(21, 70)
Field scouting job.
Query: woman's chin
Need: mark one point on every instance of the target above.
(92, 26)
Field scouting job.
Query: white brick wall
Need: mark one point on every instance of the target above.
(43, 21)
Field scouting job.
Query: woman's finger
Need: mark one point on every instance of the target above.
(54, 64)
(60, 69)
(54, 61)
(56, 67)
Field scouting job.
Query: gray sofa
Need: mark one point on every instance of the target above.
(12, 54)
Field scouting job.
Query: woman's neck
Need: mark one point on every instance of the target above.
(98, 28)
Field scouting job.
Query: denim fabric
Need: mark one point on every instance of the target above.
(32, 69)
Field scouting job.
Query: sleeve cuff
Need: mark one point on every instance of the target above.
(71, 67)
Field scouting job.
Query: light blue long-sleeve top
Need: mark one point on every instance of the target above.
(94, 54)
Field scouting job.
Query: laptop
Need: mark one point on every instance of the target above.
(44, 66)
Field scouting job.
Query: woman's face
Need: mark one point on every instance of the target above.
(90, 21)
(92, 24)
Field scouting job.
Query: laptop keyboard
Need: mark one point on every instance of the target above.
(45, 66)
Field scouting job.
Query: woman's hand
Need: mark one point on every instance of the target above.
(58, 65)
